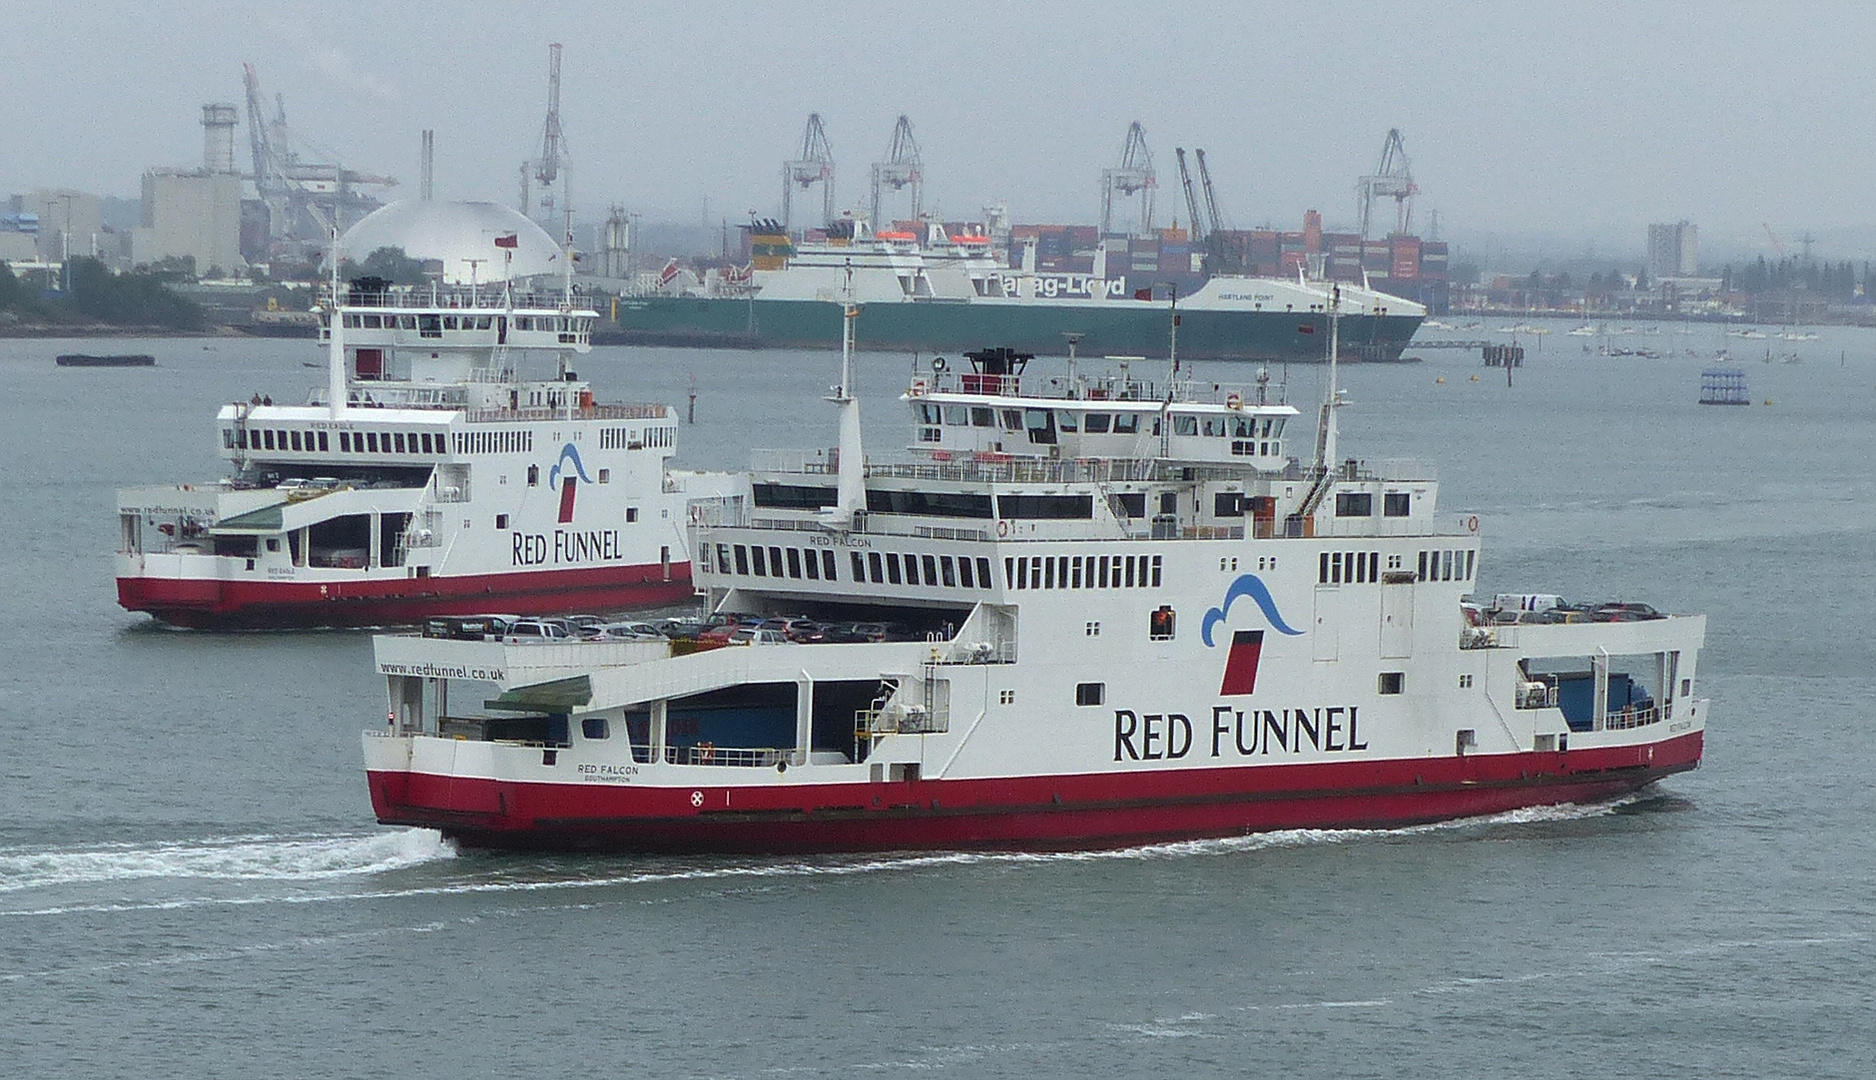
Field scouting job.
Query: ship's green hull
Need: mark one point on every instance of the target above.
(1117, 328)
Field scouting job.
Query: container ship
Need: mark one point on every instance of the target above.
(945, 291)
(1105, 610)
(432, 474)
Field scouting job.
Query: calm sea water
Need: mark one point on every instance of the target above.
(191, 882)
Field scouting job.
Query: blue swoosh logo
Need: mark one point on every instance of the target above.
(1252, 586)
(579, 469)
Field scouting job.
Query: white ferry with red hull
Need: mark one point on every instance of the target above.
(1133, 616)
(432, 474)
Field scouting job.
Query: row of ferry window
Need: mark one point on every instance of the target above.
(1082, 571)
(496, 441)
(880, 568)
(272, 439)
(1220, 425)
(633, 439)
(1364, 567)
(1445, 565)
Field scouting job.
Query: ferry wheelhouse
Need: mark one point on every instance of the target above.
(432, 474)
(1135, 614)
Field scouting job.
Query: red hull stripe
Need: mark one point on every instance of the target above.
(210, 604)
(1038, 812)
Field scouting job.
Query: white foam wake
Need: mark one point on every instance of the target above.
(307, 859)
(239, 858)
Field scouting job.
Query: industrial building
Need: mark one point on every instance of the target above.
(195, 214)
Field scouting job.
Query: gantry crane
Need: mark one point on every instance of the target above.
(1391, 179)
(814, 165)
(901, 169)
(1133, 176)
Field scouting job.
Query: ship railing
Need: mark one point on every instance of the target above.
(571, 411)
(968, 468)
(489, 299)
(718, 511)
(748, 757)
(1628, 717)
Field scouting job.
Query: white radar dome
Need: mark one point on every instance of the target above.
(479, 241)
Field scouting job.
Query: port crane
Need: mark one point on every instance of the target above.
(1195, 224)
(901, 169)
(297, 193)
(552, 159)
(1208, 230)
(1133, 176)
(814, 165)
(1392, 179)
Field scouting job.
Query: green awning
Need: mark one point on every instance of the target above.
(560, 695)
(254, 522)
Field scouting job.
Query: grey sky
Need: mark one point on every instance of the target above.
(1583, 122)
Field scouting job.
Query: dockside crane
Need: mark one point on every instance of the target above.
(1133, 176)
(1391, 179)
(321, 193)
(1196, 225)
(552, 159)
(901, 169)
(814, 165)
(1223, 260)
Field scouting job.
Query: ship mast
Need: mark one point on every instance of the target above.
(335, 353)
(1326, 430)
(850, 493)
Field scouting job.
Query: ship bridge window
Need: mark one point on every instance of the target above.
(1012, 419)
(228, 438)
(957, 415)
(1126, 423)
(927, 412)
(983, 417)
(927, 503)
(1067, 421)
(295, 436)
(1354, 504)
(1097, 423)
(1129, 504)
(1185, 425)
(799, 497)
(1046, 507)
(1244, 427)
(430, 326)
(1395, 504)
(1214, 426)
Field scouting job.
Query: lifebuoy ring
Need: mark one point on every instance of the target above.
(1233, 401)
(706, 752)
(918, 387)
(1003, 528)
(1472, 523)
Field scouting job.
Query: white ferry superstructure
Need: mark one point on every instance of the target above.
(1138, 615)
(429, 476)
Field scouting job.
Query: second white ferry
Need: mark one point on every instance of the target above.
(433, 473)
